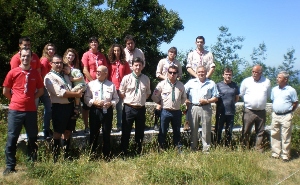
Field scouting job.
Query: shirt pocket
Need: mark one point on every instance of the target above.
(165, 93)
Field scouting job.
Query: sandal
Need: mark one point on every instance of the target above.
(76, 112)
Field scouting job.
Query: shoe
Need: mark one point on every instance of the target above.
(156, 128)
(119, 129)
(9, 170)
(74, 132)
(273, 157)
(285, 160)
(87, 130)
(47, 134)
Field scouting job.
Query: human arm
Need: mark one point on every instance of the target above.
(70, 94)
(210, 72)
(7, 92)
(156, 96)
(192, 72)
(39, 93)
(87, 73)
(295, 105)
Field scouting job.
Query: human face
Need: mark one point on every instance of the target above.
(94, 45)
(201, 73)
(130, 45)
(101, 73)
(25, 44)
(200, 44)
(70, 57)
(281, 81)
(50, 51)
(25, 58)
(227, 77)
(171, 56)
(256, 73)
(137, 67)
(172, 74)
(57, 64)
(117, 52)
(67, 70)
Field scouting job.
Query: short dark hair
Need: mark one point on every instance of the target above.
(129, 37)
(138, 60)
(26, 49)
(200, 37)
(56, 56)
(93, 38)
(27, 39)
(227, 70)
(173, 50)
(173, 67)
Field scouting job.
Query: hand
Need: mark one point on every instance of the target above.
(203, 101)
(71, 78)
(187, 102)
(107, 104)
(79, 94)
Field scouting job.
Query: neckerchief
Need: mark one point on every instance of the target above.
(60, 76)
(137, 82)
(26, 79)
(201, 56)
(118, 72)
(101, 89)
(173, 89)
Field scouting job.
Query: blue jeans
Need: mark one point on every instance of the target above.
(16, 119)
(119, 108)
(221, 119)
(166, 117)
(45, 99)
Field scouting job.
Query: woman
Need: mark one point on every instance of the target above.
(118, 68)
(48, 53)
(71, 57)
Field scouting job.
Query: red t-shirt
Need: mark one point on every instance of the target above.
(92, 61)
(45, 66)
(124, 69)
(16, 80)
(15, 61)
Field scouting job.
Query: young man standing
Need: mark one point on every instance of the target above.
(132, 52)
(22, 86)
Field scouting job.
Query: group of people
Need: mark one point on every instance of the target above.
(117, 82)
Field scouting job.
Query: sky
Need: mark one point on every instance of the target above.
(274, 22)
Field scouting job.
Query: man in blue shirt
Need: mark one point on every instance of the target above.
(228, 96)
(201, 93)
(285, 101)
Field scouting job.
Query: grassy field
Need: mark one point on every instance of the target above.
(220, 166)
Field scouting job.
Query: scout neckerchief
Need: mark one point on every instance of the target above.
(118, 72)
(137, 82)
(173, 89)
(95, 57)
(61, 77)
(201, 56)
(101, 89)
(26, 79)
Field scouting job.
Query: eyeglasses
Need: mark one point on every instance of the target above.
(57, 63)
(98, 72)
(174, 73)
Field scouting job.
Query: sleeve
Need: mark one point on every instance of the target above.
(115, 97)
(53, 87)
(8, 82)
(183, 96)
(44, 66)
(127, 68)
(156, 96)
(272, 94)
(211, 60)
(179, 70)
(15, 61)
(143, 57)
(39, 81)
(186, 87)
(159, 68)
(237, 90)
(148, 86)
(38, 63)
(85, 60)
(88, 96)
(215, 92)
(294, 96)
(122, 87)
(242, 88)
(269, 88)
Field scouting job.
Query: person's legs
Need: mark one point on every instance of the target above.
(220, 120)
(106, 130)
(228, 129)
(260, 129)
(140, 120)
(164, 126)
(85, 115)
(194, 120)
(119, 110)
(206, 127)
(128, 117)
(45, 99)
(30, 124)
(176, 124)
(286, 135)
(276, 135)
(15, 122)
(95, 116)
(248, 119)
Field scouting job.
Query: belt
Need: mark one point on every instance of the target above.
(134, 106)
(198, 105)
(170, 109)
(280, 114)
(255, 110)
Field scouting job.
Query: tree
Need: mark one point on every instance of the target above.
(288, 66)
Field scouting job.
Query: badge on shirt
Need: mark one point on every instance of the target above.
(62, 87)
(165, 95)
(96, 93)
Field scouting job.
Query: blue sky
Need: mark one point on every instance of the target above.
(274, 22)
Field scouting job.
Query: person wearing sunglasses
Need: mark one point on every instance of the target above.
(170, 94)
(201, 93)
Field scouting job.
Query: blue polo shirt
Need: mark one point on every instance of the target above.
(226, 100)
(283, 99)
(197, 90)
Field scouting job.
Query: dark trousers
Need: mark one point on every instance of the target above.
(228, 121)
(166, 117)
(16, 119)
(138, 116)
(258, 119)
(98, 118)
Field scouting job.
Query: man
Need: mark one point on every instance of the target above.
(24, 42)
(91, 60)
(101, 95)
(132, 52)
(59, 88)
(201, 93)
(255, 90)
(170, 94)
(285, 101)
(22, 86)
(134, 90)
(228, 96)
(162, 74)
(200, 57)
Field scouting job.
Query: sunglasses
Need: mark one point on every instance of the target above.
(57, 63)
(174, 73)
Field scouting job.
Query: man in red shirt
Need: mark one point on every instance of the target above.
(35, 61)
(91, 60)
(22, 86)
